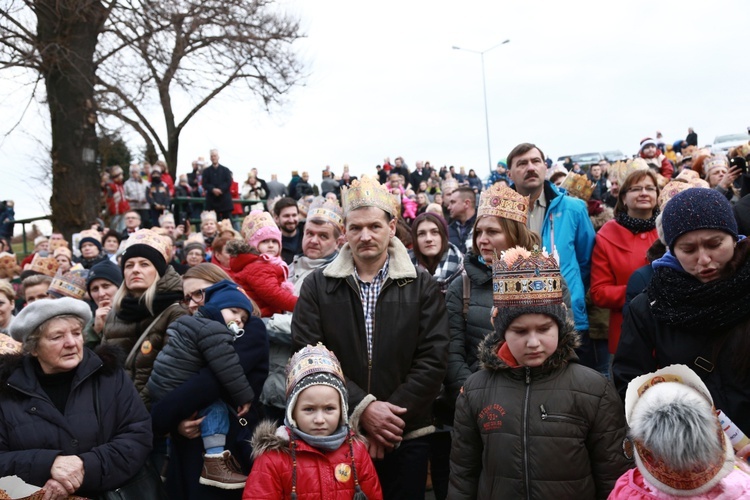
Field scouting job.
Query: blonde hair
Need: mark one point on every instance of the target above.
(147, 298)
(7, 289)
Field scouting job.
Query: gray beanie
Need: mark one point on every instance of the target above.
(35, 314)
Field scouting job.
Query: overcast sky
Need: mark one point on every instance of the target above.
(576, 77)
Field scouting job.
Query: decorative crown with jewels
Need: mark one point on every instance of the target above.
(327, 210)
(368, 192)
(578, 185)
(521, 278)
(501, 201)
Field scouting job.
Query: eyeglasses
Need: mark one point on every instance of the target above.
(196, 296)
(638, 189)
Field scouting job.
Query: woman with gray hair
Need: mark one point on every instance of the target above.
(70, 419)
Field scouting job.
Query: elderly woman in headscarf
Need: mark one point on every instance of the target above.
(70, 419)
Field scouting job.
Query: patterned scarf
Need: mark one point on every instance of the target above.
(680, 300)
(637, 226)
(449, 267)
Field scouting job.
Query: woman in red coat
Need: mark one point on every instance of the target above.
(621, 246)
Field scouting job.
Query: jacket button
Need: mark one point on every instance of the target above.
(643, 236)
(33, 409)
(74, 442)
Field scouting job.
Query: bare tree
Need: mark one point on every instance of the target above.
(57, 40)
(153, 50)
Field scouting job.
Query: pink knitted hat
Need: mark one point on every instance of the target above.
(259, 226)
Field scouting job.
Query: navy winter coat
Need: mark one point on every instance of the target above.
(33, 432)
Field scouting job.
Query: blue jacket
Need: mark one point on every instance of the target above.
(573, 241)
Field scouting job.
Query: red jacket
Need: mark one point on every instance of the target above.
(116, 202)
(262, 280)
(617, 253)
(663, 164)
(320, 476)
(234, 190)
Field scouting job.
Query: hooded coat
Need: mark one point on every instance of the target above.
(553, 431)
(113, 445)
(271, 477)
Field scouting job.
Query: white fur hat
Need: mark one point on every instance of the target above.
(680, 447)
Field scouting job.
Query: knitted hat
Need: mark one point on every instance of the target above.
(33, 315)
(194, 245)
(259, 226)
(526, 282)
(680, 447)
(647, 142)
(105, 270)
(695, 209)
(90, 236)
(314, 365)
(71, 284)
(149, 245)
(226, 294)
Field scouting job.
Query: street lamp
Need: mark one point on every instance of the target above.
(484, 89)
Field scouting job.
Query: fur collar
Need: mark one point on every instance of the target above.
(569, 340)
(269, 437)
(400, 266)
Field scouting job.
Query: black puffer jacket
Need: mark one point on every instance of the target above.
(33, 432)
(555, 431)
(195, 342)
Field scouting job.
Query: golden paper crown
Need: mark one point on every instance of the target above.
(60, 250)
(713, 162)
(688, 175)
(90, 233)
(501, 201)
(208, 215)
(71, 284)
(449, 185)
(57, 243)
(677, 186)
(327, 210)
(309, 360)
(578, 185)
(620, 170)
(151, 238)
(521, 278)
(254, 221)
(368, 192)
(7, 260)
(44, 265)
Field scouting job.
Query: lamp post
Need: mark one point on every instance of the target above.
(484, 89)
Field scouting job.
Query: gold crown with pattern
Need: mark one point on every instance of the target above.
(207, 215)
(578, 185)
(44, 265)
(7, 260)
(327, 210)
(449, 184)
(91, 233)
(501, 201)
(368, 192)
(526, 278)
(256, 220)
(57, 243)
(619, 170)
(162, 244)
(309, 360)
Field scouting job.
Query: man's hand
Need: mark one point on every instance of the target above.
(216, 191)
(383, 424)
(68, 471)
(101, 315)
(191, 426)
(242, 410)
(377, 452)
(53, 490)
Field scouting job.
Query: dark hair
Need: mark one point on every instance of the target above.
(467, 193)
(522, 149)
(631, 179)
(556, 176)
(218, 244)
(516, 234)
(429, 263)
(282, 204)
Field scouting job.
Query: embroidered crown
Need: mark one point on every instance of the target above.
(620, 170)
(55, 244)
(449, 185)
(7, 260)
(368, 192)
(151, 238)
(328, 210)
(522, 278)
(91, 233)
(502, 201)
(578, 185)
(309, 360)
(256, 220)
(44, 265)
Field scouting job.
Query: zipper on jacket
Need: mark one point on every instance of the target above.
(560, 417)
(526, 433)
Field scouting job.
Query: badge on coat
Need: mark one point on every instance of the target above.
(343, 472)
(146, 348)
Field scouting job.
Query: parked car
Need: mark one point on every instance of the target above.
(585, 160)
(723, 143)
(615, 155)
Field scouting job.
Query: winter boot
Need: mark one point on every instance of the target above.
(222, 471)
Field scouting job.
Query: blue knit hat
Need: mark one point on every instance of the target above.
(695, 209)
(105, 270)
(226, 294)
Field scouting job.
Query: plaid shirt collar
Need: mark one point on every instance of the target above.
(368, 293)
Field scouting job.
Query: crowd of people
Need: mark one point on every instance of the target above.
(553, 332)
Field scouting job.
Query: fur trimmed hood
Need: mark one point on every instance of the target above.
(269, 437)
(399, 267)
(569, 340)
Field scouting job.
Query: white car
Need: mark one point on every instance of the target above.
(723, 143)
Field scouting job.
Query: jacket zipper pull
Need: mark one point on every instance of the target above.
(544, 412)
(528, 375)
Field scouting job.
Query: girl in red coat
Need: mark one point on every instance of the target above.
(314, 455)
(256, 266)
(621, 246)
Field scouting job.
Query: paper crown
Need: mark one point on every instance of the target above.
(713, 162)
(675, 187)
(578, 185)
(501, 201)
(71, 284)
(327, 210)
(60, 250)
(256, 220)
(91, 233)
(44, 265)
(208, 215)
(526, 278)
(309, 360)
(57, 243)
(368, 192)
(160, 243)
(620, 170)
(7, 260)
(449, 185)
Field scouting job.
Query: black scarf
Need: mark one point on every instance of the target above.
(680, 300)
(133, 310)
(634, 225)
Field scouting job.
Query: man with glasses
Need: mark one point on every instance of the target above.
(132, 223)
(566, 230)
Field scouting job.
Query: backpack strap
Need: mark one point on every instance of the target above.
(467, 293)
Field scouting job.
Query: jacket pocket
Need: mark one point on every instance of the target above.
(561, 417)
